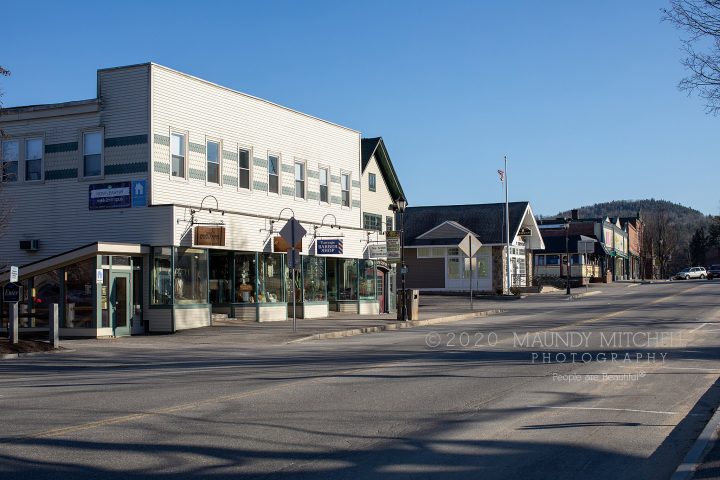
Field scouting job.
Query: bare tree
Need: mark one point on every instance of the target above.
(700, 19)
(661, 237)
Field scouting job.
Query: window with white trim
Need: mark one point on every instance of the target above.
(388, 223)
(92, 154)
(10, 160)
(244, 165)
(324, 190)
(345, 188)
(299, 180)
(213, 162)
(372, 221)
(273, 174)
(177, 150)
(33, 159)
(372, 182)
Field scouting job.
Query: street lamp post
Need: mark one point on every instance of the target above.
(567, 257)
(399, 206)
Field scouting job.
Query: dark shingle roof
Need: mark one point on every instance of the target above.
(367, 148)
(376, 146)
(485, 220)
(557, 244)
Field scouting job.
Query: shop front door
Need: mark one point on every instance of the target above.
(120, 303)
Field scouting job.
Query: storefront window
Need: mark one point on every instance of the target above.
(348, 279)
(191, 276)
(367, 280)
(313, 279)
(245, 274)
(220, 277)
(80, 295)
(332, 277)
(270, 282)
(289, 283)
(162, 276)
(453, 268)
(46, 291)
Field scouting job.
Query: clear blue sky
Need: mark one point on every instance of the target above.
(581, 96)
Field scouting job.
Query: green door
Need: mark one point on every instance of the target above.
(120, 303)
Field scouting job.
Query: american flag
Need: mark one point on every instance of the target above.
(502, 175)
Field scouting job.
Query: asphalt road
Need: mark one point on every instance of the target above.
(497, 397)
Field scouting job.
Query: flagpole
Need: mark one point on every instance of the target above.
(507, 228)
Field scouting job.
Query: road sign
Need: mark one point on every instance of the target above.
(469, 245)
(292, 232)
(139, 193)
(11, 293)
(329, 247)
(392, 240)
(14, 273)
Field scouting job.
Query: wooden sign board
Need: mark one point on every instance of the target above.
(280, 245)
(210, 236)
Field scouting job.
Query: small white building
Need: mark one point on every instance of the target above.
(160, 201)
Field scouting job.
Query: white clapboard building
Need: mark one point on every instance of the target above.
(157, 206)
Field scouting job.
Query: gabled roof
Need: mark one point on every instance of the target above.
(445, 230)
(376, 146)
(486, 221)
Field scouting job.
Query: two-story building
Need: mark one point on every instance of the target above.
(160, 201)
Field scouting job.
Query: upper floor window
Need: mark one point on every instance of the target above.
(92, 154)
(372, 222)
(273, 174)
(345, 188)
(213, 162)
(372, 182)
(324, 193)
(244, 164)
(10, 160)
(299, 180)
(33, 159)
(177, 149)
(388, 223)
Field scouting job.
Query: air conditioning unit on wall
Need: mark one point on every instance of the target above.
(30, 245)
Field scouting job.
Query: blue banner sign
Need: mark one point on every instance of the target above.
(139, 193)
(110, 195)
(329, 247)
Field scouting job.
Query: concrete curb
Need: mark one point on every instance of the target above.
(10, 356)
(397, 326)
(585, 294)
(700, 448)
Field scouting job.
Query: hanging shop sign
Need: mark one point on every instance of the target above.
(11, 293)
(103, 196)
(210, 236)
(377, 250)
(281, 246)
(392, 241)
(329, 247)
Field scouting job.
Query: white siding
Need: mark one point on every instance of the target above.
(205, 110)
(124, 93)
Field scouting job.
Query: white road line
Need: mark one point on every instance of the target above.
(605, 409)
(698, 328)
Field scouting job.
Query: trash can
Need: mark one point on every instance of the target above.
(414, 304)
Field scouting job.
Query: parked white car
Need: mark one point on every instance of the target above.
(688, 273)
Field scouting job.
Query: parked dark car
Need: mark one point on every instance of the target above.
(713, 272)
